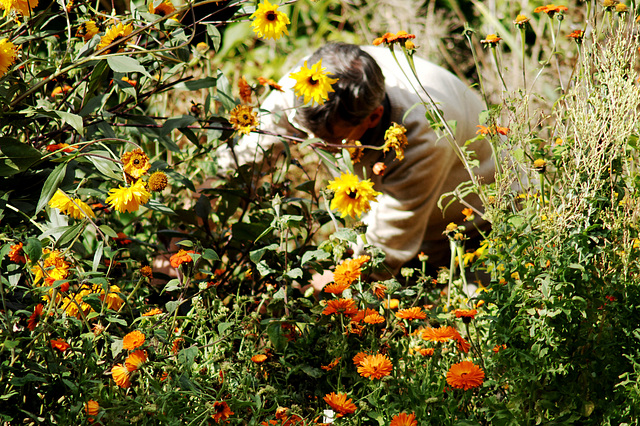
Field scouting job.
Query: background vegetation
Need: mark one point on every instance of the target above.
(233, 333)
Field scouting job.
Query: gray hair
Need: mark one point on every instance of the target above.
(359, 90)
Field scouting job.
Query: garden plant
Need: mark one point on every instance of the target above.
(142, 283)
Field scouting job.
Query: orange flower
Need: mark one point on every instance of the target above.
(259, 358)
(379, 168)
(332, 364)
(122, 239)
(335, 288)
(463, 345)
(357, 359)
(465, 375)
(245, 90)
(465, 313)
(404, 419)
(222, 411)
(403, 36)
(60, 345)
(379, 290)
(133, 340)
(177, 344)
(374, 318)
(491, 40)
(182, 256)
(550, 9)
(269, 82)
(152, 312)
(384, 39)
(92, 408)
(492, 130)
(17, 254)
(375, 366)
(426, 351)
(410, 314)
(35, 317)
(340, 403)
(359, 316)
(135, 360)
(349, 271)
(60, 90)
(498, 348)
(577, 35)
(440, 334)
(120, 375)
(340, 306)
(146, 271)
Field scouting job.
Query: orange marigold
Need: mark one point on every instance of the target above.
(17, 254)
(374, 318)
(133, 340)
(92, 408)
(349, 271)
(375, 366)
(331, 365)
(465, 375)
(135, 360)
(245, 90)
(182, 256)
(410, 314)
(440, 334)
(120, 375)
(357, 359)
(336, 288)
(340, 306)
(404, 419)
(221, 411)
(269, 82)
(340, 403)
(152, 312)
(60, 345)
(259, 358)
(465, 313)
(550, 9)
(35, 317)
(379, 290)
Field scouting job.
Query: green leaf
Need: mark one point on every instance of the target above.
(278, 340)
(33, 249)
(176, 123)
(215, 36)
(314, 255)
(187, 355)
(202, 83)
(224, 326)
(346, 234)
(72, 120)
(172, 305)
(51, 185)
(295, 273)
(209, 254)
(117, 320)
(16, 156)
(224, 91)
(104, 166)
(97, 256)
(156, 206)
(125, 64)
(316, 373)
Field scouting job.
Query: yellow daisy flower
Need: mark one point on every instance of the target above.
(268, 22)
(163, 9)
(243, 119)
(396, 138)
(7, 55)
(352, 196)
(128, 199)
(87, 30)
(113, 35)
(135, 163)
(313, 83)
(21, 7)
(77, 209)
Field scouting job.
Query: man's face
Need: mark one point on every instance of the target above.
(343, 131)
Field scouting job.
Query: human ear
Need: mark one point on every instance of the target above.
(375, 117)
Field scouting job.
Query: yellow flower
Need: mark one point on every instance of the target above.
(243, 119)
(133, 340)
(113, 35)
(352, 196)
(356, 153)
(7, 54)
(491, 40)
(313, 83)
(520, 21)
(268, 22)
(163, 9)
(135, 360)
(158, 181)
(77, 209)
(128, 199)
(87, 30)
(112, 298)
(135, 163)
(395, 137)
(21, 7)
(120, 375)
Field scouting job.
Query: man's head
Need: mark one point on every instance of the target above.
(356, 103)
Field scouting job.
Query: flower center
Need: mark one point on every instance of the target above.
(271, 16)
(352, 194)
(312, 81)
(136, 162)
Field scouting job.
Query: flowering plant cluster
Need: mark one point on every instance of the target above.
(142, 283)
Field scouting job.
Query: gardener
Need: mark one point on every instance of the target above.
(371, 93)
